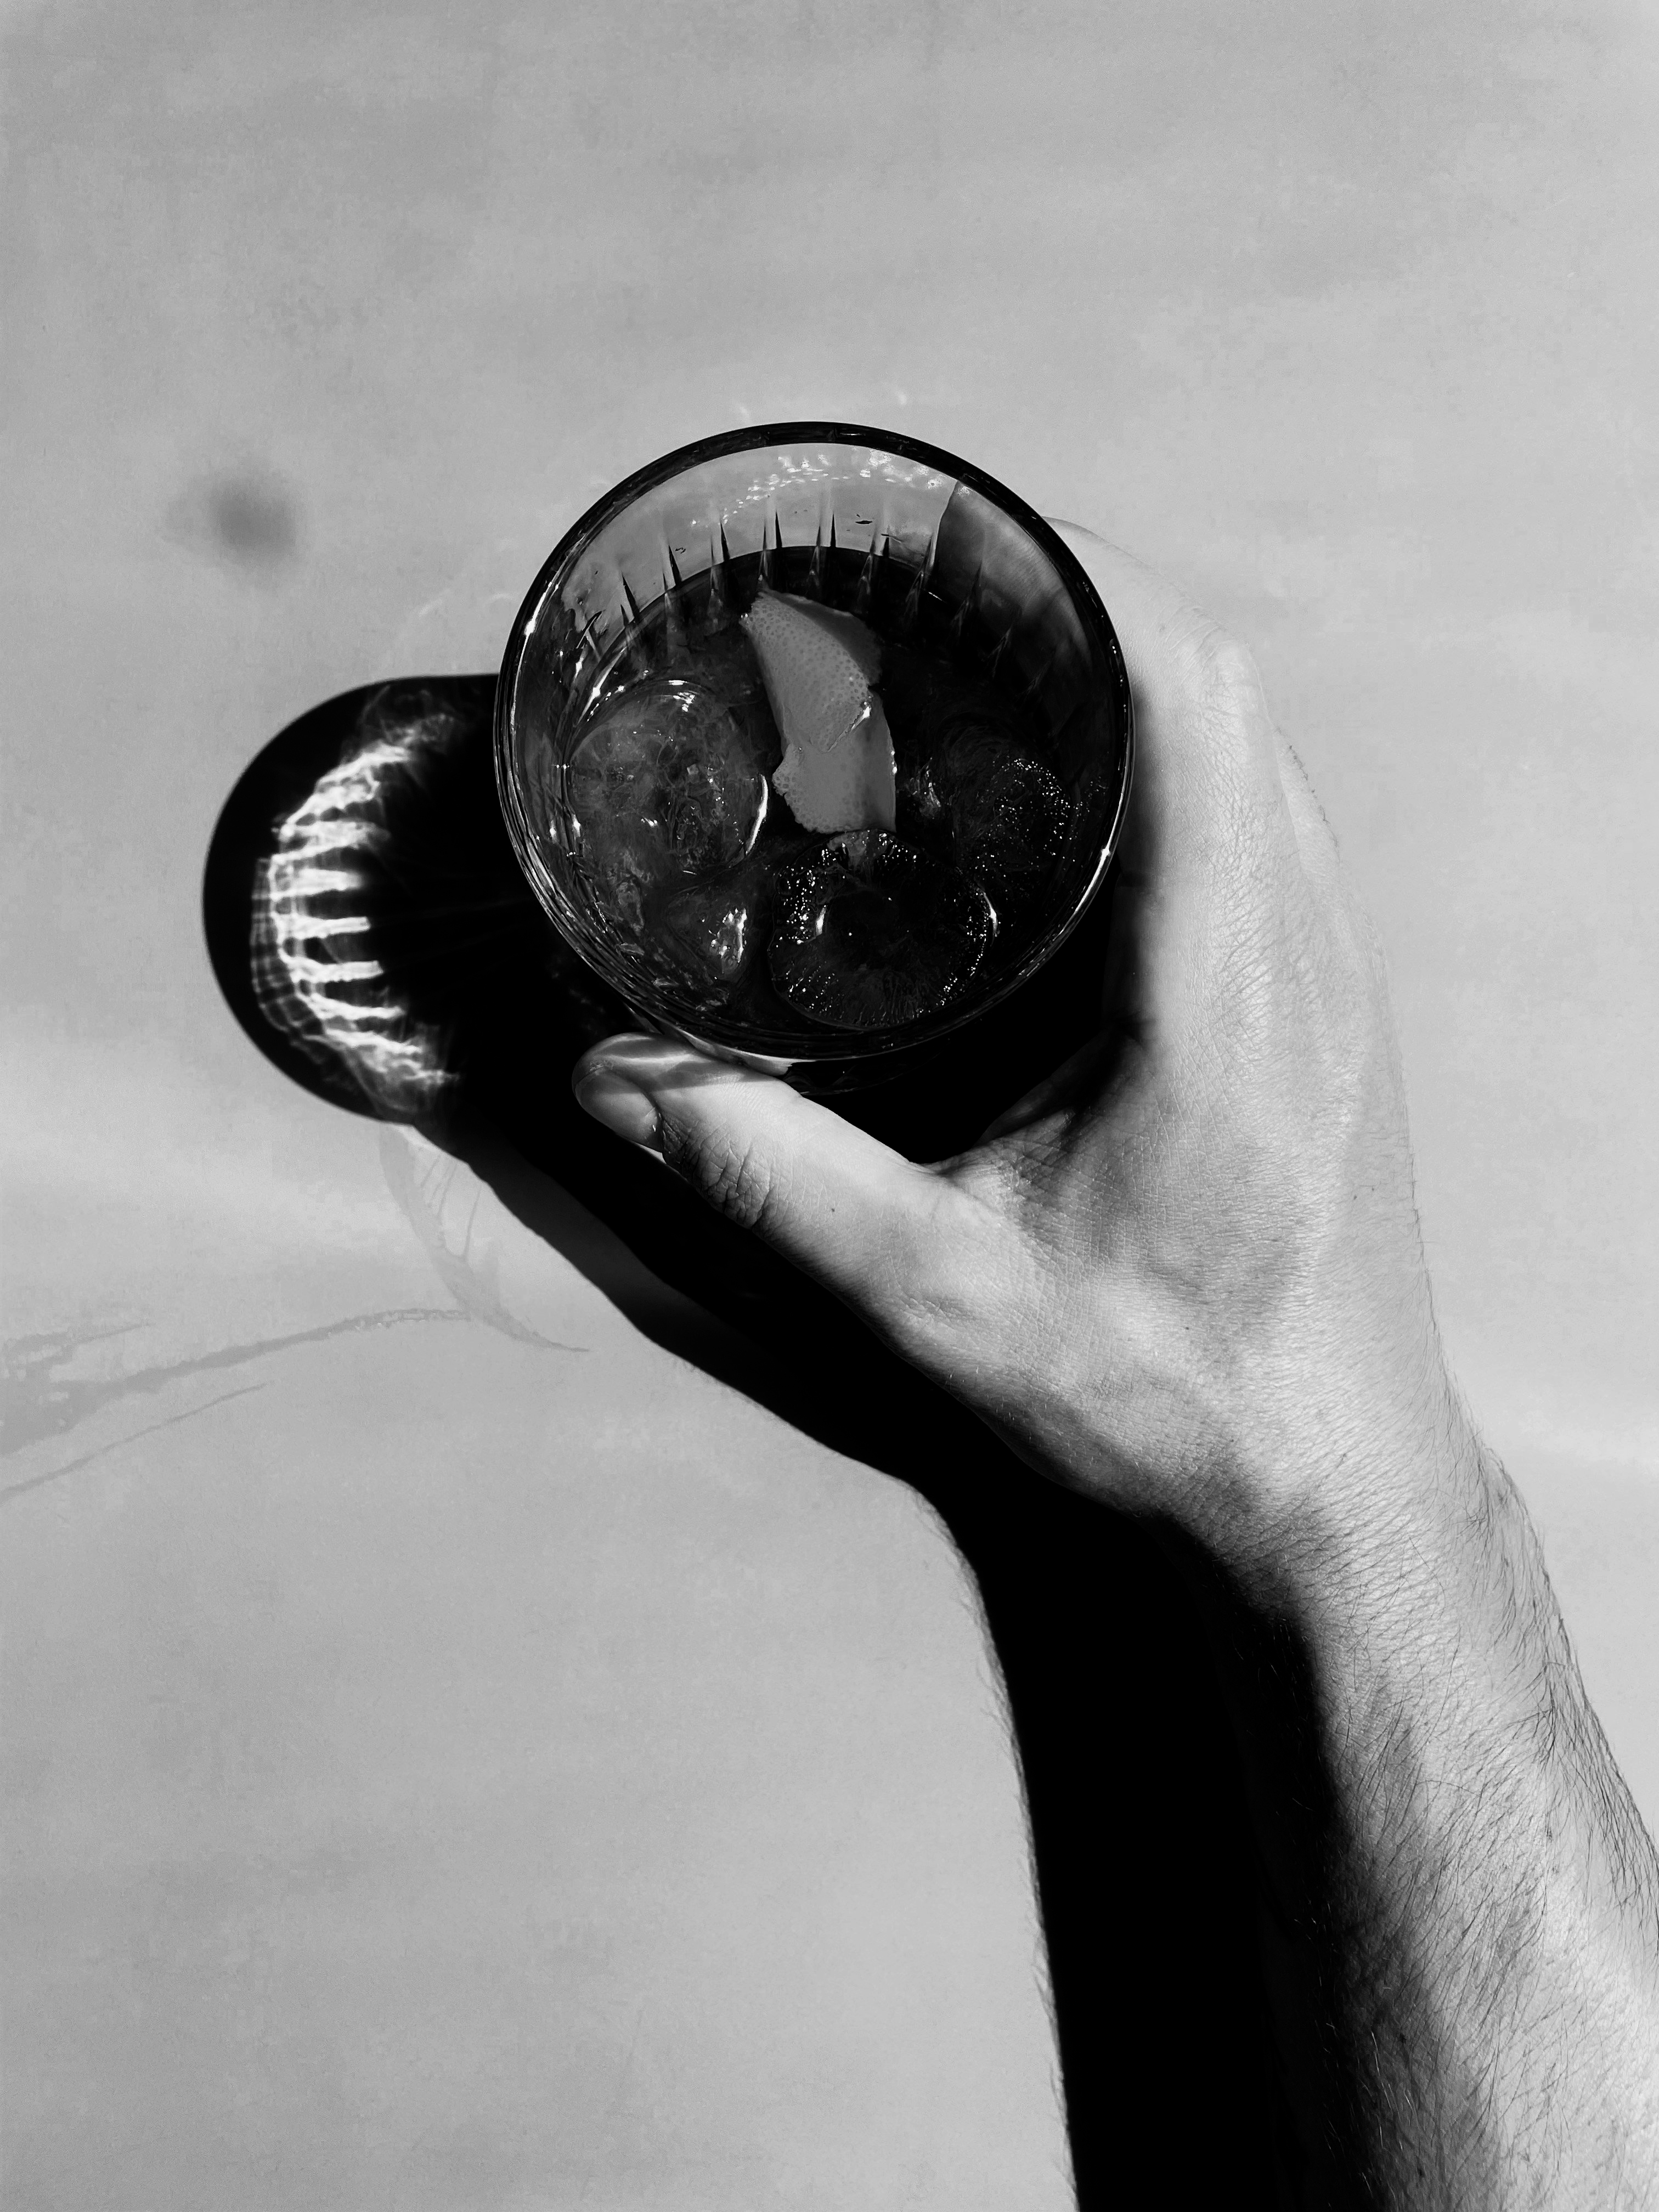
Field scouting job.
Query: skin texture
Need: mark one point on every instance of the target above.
(1185, 1276)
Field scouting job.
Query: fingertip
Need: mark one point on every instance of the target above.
(620, 1106)
(638, 1083)
(618, 1081)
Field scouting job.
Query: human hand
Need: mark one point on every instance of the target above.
(1184, 1273)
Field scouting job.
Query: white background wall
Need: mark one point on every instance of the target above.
(444, 1769)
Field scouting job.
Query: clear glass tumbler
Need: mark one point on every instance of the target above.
(854, 518)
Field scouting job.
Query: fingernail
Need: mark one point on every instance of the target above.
(621, 1105)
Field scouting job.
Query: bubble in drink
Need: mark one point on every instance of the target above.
(669, 781)
(874, 933)
(1008, 814)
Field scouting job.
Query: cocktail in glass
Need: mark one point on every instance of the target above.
(816, 744)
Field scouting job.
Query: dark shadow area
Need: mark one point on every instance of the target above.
(386, 953)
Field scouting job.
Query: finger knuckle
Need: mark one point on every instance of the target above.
(1222, 686)
(937, 1284)
(924, 1325)
(1222, 670)
(731, 1173)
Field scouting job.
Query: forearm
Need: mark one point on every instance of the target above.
(1488, 1899)
(1464, 1894)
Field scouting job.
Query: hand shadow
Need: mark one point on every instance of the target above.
(370, 930)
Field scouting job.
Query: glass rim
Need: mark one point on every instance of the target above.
(717, 1034)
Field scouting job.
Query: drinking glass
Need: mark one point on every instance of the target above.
(861, 518)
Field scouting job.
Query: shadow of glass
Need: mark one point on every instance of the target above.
(369, 929)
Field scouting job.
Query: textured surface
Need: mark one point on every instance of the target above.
(454, 1752)
(837, 772)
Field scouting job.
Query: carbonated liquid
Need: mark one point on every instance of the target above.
(697, 868)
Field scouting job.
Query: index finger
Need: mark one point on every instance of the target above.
(1205, 756)
(1165, 640)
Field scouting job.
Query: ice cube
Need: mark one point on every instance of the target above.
(1009, 815)
(711, 930)
(669, 781)
(874, 933)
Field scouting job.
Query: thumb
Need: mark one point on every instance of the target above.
(869, 1225)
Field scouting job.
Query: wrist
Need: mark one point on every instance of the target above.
(1400, 1553)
